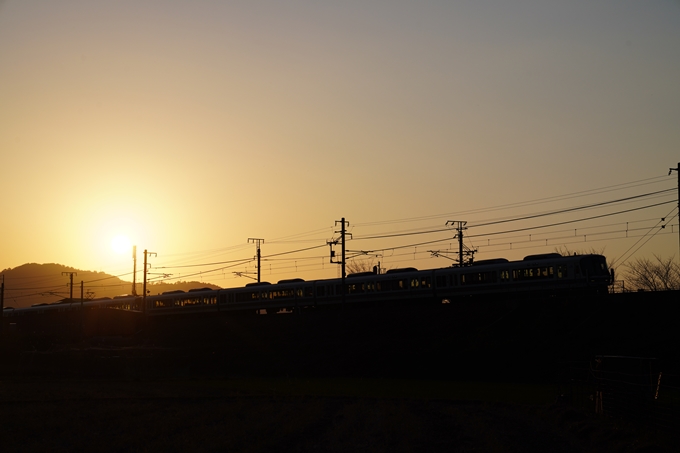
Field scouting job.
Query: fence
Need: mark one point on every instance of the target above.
(637, 389)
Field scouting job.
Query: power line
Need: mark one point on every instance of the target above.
(663, 219)
(515, 219)
(566, 222)
(590, 192)
(578, 208)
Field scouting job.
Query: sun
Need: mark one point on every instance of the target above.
(121, 244)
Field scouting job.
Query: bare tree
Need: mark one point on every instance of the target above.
(566, 251)
(653, 275)
(355, 266)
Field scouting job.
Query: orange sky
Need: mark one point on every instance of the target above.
(193, 126)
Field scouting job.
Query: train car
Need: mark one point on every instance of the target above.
(176, 302)
(534, 276)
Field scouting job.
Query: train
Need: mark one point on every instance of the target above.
(542, 275)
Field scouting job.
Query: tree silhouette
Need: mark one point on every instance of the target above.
(653, 275)
(355, 266)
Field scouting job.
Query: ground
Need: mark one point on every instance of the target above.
(326, 415)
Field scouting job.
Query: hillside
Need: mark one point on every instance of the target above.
(33, 283)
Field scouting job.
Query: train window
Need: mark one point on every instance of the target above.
(246, 296)
(505, 275)
(415, 283)
(593, 265)
(473, 278)
(426, 282)
(163, 303)
(440, 281)
(532, 273)
(283, 294)
(320, 291)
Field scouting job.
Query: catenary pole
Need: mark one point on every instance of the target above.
(2, 303)
(671, 170)
(71, 274)
(257, 243)
(134, 270)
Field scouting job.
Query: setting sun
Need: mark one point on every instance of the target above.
(121, 244)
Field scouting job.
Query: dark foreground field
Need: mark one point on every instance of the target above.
(480, 376)
(328, 415)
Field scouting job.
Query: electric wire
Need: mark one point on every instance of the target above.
(663, 219)
(414, 232)
(628, 185)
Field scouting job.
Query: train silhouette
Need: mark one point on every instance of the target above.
(544, 275)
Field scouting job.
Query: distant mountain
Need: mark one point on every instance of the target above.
(46, 283)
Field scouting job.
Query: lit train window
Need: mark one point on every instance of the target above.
(478, 278)
(532, 273)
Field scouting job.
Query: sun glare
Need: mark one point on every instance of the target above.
(121, 244)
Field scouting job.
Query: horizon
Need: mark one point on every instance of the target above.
(188, 129)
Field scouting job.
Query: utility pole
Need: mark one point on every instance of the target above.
(70, 284)
(459, 228)
(82, 314)
(146, 268)
(134, 270)
(257, 243)
(671, 170)
(2, 304)
(343, 233)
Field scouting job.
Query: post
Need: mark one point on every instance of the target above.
(144, 286)
(2, 304)
(671, 170)
(460, 243)
(459, 230)
(82, 314)
(71, 274)
(134, 270)
(146, 266)
(342, 233)
(257, 242)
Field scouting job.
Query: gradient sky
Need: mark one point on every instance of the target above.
(193, 126)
